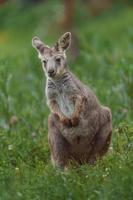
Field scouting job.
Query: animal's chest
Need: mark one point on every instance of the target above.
(62, 94)
(65, 103)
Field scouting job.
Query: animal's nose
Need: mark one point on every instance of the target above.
(51, 72)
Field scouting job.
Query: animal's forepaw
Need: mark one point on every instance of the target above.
(75, 121)
(66, 122)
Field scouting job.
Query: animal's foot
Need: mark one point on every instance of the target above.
(92, 161)
(75, 121)
(66, 122)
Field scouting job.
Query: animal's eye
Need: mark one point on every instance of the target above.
(58, 60)
(45, 62)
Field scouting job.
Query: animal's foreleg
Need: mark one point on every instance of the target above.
(56, 110)
(78, 100)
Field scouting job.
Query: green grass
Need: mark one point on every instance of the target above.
(104, 63)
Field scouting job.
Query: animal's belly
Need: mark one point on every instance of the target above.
(66, 106)
(81, 130)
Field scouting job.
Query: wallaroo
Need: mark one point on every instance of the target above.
(79, 128)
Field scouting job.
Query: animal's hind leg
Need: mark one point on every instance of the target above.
(59, 147)
(102, 140)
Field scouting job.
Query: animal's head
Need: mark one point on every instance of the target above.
(53, 59)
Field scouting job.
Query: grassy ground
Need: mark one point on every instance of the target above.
(105, 63)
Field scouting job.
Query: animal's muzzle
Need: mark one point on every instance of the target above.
(51, 72)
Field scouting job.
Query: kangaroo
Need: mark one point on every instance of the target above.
(79, 128)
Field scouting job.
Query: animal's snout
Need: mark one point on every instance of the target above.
(51, 72)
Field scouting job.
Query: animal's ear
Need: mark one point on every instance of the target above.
(38, 44)
(63, 42)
